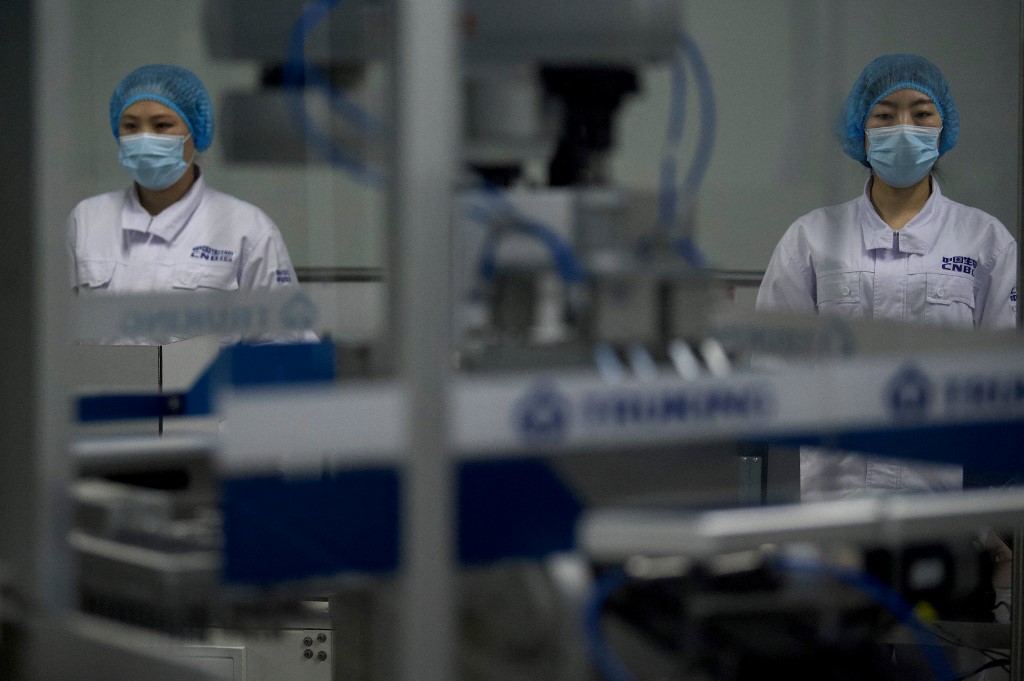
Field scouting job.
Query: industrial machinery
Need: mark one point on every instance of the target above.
(316, 518)
(550, 257)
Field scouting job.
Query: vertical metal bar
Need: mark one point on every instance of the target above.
(34, 39)
(35, 298)
(18, 379)
(160, 385)
(427, 112)
(53, 199)
(753, 475)
(751, 480)
(1017, 580)
(1016, 614)
(1020, 158)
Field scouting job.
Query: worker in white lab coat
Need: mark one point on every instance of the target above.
(901, 250)
(170, 231)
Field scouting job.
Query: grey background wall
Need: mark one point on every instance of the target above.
(780, 68)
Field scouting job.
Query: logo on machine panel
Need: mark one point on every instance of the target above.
(910, 394)
(541, 416)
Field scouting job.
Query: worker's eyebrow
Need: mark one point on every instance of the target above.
(916, 102)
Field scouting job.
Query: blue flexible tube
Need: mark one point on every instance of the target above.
(702, 157)
(562, 254)
(298, 75)
(670, 195)
(601, 654)
(333, 154)
(609, 664)
(888, 598)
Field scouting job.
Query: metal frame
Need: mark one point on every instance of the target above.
(1017, 582)
(34, 44)
(426, 143)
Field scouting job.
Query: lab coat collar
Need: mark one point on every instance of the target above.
(169, 222)
(917, 236)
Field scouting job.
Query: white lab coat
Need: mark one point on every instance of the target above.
(207, 240)
(951, 265)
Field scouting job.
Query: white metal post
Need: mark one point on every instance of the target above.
(1017, 579)
(35, 297)
(52, 201)
(427, 113)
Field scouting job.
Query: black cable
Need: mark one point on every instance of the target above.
(986, 666)
(990, 653)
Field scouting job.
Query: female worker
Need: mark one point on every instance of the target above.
(169, 231)
(901, 250)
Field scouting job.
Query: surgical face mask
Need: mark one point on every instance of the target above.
(902, 155)
(155, 161)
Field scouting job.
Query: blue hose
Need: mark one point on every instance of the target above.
(888, 598)
(603, 657)
(702, 157)
(562, 254)
(298, 75)
(670, 194)
(668, 200)
(613, 669)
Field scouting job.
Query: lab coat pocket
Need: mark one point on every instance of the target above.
(839, 293)
(949, 300)
(94, 275)
(195, 276)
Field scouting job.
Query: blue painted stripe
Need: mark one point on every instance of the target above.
(995, 446)
(513, 509)
(279, 529)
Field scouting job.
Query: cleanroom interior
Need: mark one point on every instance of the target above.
(560, 446)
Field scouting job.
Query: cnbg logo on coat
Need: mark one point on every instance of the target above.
(212, 254)
(959, 263)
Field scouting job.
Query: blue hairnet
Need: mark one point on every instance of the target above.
(884, 76)
(172, 86)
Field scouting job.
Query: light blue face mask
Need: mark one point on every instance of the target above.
(902, 155)
(155, 161)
